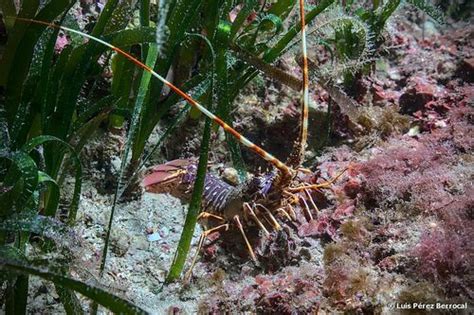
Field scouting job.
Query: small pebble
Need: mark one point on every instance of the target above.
(154, 237)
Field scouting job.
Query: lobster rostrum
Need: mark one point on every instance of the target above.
(260, 200)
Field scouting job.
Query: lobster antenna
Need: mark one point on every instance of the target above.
(246, 142)
(305, 105)
(297, 156)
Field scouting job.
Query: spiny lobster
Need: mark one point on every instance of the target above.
(266, 197)
(261, 198)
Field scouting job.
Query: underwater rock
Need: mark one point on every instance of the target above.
(323, 226)
(416, 96)
(466, 70)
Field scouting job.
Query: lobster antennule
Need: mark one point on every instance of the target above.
(287, 171)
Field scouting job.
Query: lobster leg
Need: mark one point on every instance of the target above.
(274, 222)
(307, 211)
(285, 214)
(255, 218)
(202, 238)
(292, 212)
(249, 247)
(311, 200)
(294, 198)
(322, 185)
(207, 215)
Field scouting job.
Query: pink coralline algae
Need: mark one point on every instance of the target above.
(422, 173)
(444, 252)
(286, 293)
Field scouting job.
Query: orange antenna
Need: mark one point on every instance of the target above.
(246, 142)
